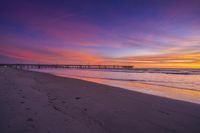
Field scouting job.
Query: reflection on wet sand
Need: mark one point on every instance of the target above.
(174, 86)
(159, 90)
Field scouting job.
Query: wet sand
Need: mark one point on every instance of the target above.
(32, 102)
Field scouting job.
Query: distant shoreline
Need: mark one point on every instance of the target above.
(33, 102)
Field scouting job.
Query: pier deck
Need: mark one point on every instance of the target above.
(67, 66)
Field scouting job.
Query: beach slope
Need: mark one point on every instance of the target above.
(32, 102)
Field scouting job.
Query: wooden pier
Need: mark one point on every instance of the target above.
(64, 66)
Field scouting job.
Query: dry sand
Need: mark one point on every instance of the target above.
(32, 102)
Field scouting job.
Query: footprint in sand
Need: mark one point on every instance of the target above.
(29, 119)
(24, 97)
(77, 98)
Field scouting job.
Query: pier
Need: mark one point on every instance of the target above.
(64, 66)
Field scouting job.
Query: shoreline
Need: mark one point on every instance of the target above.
(33, 102)
(177, 92)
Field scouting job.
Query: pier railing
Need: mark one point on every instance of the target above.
(66, 66)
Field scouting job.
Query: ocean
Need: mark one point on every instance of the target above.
(179, 84)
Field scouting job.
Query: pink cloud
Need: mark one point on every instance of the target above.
(55, 55)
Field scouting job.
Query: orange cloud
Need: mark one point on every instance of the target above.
(51, 55)
(26, 55)
(68, 56)
(159, 61)
(77, 57)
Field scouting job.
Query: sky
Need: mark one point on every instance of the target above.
(143, 33)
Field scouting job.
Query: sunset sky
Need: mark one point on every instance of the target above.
(143, 33)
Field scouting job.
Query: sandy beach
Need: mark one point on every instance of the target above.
(33, 102)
